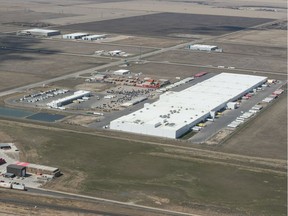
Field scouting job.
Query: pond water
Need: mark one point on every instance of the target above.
(46, 117)
(19, 113)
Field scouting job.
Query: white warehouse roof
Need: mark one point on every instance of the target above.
(76, 95)
(121, 72)
(176, 112)
(202, 47)
(36, 30)
(77, 34)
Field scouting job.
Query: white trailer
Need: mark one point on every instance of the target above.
(18, 186)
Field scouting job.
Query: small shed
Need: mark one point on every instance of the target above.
(18, 170)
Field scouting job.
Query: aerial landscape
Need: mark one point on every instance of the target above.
(143, 107)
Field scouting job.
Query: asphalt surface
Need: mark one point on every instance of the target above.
(231, 115)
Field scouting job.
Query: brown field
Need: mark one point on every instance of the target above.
(255, 50)
(33, 67)
(240, 61)
(149, 41)
(169, 24)
(154, 175)
(265, 136)
(22, 204)
(271, 37)
(65, 46)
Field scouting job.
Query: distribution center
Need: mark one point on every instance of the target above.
(175, 113)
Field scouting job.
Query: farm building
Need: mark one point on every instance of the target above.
(40, 169)
(175, 113)
(93, 37)
(77, 35)
(17, 170)
(202, 47)
(69, 99)
(39, 32)
(121, 72)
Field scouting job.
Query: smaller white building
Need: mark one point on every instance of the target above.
(39, 32)
(77, 35)
(94, 37)
(69, 99)
(115, 52)
(202, 47)
(121, 72)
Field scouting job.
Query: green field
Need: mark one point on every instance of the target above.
(150, 175)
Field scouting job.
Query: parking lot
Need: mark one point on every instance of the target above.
(229, 116)
(11, 156)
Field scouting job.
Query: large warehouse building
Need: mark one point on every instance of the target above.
(175, 113)
(39, 32)
(202, 47)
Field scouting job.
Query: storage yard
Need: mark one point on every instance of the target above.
(20, 175)
(144, 102)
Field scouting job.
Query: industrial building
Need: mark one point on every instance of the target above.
(77, 35)
(202, 47)
(17, 170)
(69, 99)
(175, 113)
(40, 169)
(94, 37)
(39, 32)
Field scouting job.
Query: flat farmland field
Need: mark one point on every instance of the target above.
(152, 175)
(240, 61)
(170, 24)
(34, 67)
(271, 37)
(65, 46)
(255, 50)
(150, 41)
